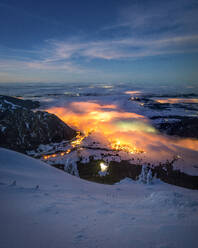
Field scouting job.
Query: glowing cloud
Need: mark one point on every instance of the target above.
(178, 100)
(123, 131)
(133, 92)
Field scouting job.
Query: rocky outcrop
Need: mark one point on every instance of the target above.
(21, 129)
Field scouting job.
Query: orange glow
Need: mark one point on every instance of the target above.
(78, 140)
(68, 151)
(75, 143)
(90, 116)
(177, 100)
(119, 145)
(133, 92)
(123, 131)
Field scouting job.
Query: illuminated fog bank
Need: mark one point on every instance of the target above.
(126, 131)
(177, 100)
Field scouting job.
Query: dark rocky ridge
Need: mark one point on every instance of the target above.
(21, 129)
(186, 127)
(151, 103)
(183, 126)
(9, 102)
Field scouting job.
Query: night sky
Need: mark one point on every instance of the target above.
(99, 41)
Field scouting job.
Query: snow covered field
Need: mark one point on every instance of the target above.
(41, 206)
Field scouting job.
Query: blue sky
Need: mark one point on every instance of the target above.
(99, 41)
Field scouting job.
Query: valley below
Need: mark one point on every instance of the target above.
(125, 133)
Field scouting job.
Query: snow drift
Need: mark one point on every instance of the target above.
(45, 207)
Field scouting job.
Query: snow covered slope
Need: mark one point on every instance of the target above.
(41, 206)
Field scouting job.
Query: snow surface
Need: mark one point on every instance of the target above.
(41, 206)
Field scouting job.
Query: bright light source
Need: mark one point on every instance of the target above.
(103, 167)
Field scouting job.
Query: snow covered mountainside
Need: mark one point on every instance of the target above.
(41, 206)
(22, 129)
